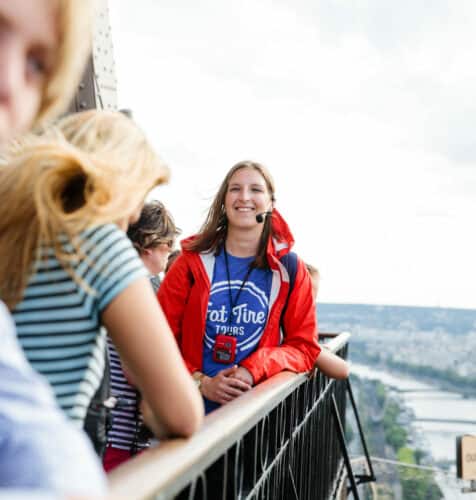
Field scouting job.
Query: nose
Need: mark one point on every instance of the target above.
(12, 71)
(245, 193)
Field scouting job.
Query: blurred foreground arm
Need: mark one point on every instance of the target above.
(141, 334)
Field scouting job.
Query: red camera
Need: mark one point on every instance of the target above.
(224, 350)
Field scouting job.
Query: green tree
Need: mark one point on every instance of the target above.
(419, 485)
(406, 455)
(396, 436)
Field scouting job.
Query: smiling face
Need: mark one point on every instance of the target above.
(28, 46)
(247, 195)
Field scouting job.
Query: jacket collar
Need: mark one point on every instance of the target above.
(283, 239)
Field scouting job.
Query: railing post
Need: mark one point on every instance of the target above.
(363, 478)
(341, 436)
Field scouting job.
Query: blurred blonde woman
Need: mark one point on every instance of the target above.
(67, 266)
(43, 50)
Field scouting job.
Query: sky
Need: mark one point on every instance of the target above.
(364, 112)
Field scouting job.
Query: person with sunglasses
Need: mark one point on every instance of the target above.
(153, 236)
(44, 45)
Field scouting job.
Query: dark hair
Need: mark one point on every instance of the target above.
(154, 227)
(212, 235)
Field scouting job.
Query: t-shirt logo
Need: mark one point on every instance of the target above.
(246, 320)
(248, 315)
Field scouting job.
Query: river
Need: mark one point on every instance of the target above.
(429, 402)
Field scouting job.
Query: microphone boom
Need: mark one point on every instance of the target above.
(260, 218)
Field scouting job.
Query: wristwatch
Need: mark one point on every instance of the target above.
(198, 377)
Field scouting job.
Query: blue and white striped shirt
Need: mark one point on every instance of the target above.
(58, 320)
(126, 419)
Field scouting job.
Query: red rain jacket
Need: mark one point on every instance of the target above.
(184, 295)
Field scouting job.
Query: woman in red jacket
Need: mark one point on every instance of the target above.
(225, 296)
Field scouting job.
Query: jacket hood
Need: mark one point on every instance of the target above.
(184, 242)
(283, 239)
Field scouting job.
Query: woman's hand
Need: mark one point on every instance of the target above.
(226, 385)
(244, 375)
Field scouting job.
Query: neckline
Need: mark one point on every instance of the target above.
(242, 259)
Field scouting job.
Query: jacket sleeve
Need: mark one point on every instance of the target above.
(299, 349)
(173, 297)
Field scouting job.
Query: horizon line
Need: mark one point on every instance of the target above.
(473, 309)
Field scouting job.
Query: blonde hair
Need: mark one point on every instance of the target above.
(93, 168)
(212, 234)
(75, 20)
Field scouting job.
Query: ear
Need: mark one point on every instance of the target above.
(146, 251)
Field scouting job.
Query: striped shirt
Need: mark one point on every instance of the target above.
(126, 417)
(58, 320)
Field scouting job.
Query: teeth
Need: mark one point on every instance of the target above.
(244, 209)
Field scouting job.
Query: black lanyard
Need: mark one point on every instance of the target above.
(233, 303)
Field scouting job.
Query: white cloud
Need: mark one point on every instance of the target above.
(364, 113)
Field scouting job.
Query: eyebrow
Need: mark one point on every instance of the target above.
(45, 45)
(47, 53)
(237, 184)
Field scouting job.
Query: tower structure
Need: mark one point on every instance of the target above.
(98, 86)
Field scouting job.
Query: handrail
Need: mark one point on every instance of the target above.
(163, 471)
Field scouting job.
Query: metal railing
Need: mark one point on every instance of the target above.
(278, 441)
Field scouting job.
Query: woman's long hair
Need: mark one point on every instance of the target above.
(75, 21)
(93, 168)
(212, 234)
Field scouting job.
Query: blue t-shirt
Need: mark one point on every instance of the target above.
(249, 314)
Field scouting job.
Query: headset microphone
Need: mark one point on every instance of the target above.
(261, 217)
